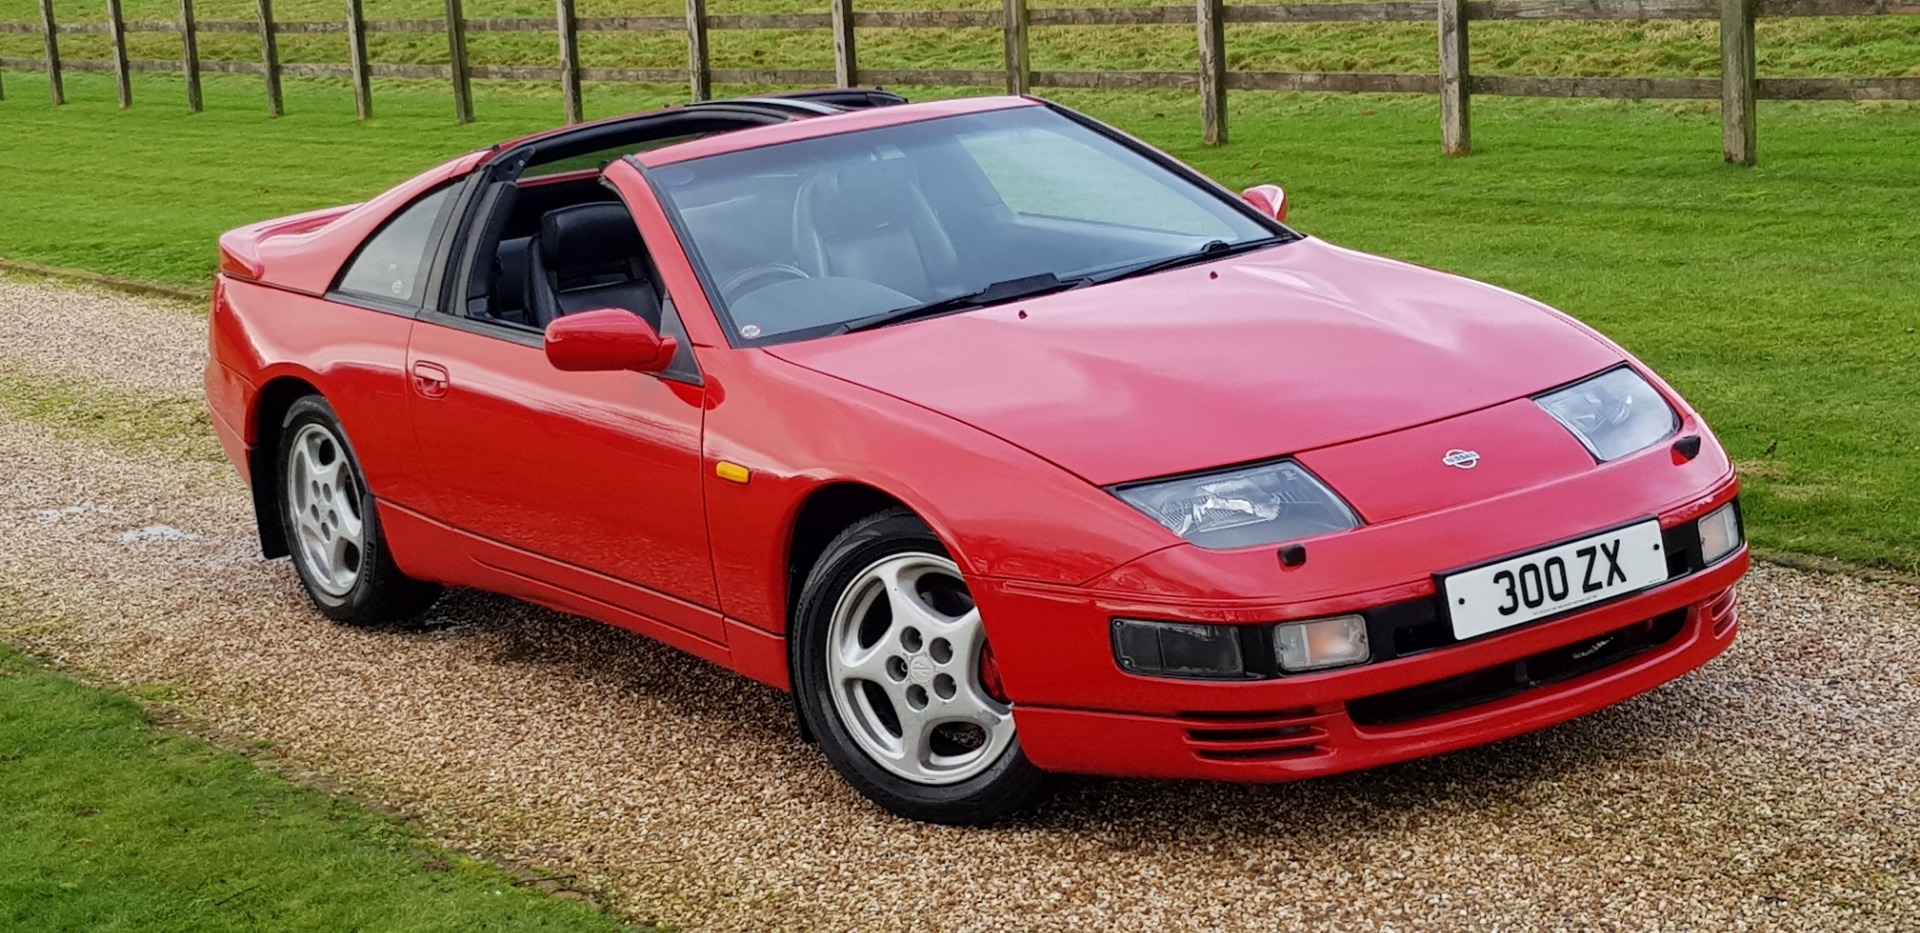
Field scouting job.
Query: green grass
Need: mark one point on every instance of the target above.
(108, 824)
(173, 427)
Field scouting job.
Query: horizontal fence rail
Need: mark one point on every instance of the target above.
(1736, 87)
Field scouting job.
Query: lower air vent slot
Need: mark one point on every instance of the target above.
(1266, 736)
(1247, 735)
(1258, 754)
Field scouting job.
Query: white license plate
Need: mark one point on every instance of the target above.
(1553, 580)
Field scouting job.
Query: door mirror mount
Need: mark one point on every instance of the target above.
(1268, 199)
(607, 340)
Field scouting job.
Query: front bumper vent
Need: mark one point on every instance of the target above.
(1266, 736)
(1516, 677)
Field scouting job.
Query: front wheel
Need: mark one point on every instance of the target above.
(333, 528)
(895, 677)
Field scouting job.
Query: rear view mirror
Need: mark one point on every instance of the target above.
(607, 340)
(1268, 199)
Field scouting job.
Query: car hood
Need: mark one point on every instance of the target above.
(1283, 350)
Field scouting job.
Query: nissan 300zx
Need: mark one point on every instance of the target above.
(1006, 443)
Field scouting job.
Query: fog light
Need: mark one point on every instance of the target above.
(1321, 643)
(1720, 533)
(1178, 649)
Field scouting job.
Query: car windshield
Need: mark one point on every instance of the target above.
(860, 229)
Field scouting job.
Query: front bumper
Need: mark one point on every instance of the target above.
(1078, 712)
(1372, 715)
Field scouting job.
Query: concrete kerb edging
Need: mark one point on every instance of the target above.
(114, 283)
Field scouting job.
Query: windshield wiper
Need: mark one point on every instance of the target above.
(1211, 250)
(1028, 286)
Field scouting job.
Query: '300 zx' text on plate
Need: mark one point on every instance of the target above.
(1553, 580)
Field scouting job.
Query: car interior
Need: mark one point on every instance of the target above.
(852, 229)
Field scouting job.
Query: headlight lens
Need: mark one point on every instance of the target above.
(1266, 504)
(1615, 413)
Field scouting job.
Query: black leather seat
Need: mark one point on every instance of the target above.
(870, 221)
(589, 257)
(510, 267)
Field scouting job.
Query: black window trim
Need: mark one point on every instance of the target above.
(434, 258)
(724, 317)
(450, 278)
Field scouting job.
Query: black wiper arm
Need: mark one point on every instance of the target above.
(1212, 249)
(1009, 290)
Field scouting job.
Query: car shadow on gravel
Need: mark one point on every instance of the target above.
(510, 633)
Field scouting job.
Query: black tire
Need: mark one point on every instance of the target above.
(368, 589)
(989, 796)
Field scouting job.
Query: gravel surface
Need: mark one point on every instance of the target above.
(1773, 789)
(135, 343)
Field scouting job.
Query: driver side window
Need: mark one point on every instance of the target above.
(551, 249)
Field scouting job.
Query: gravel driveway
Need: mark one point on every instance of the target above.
(1775, 789)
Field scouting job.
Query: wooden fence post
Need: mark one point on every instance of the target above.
(270, 59)
(569, 26)
(699, 73)
(1019, 61)
(190, 56)
(1456, 131)
(1738, 135)
(845, 70)
(117, 27)
(51, 31)
(357, 60)
(1212, 16)
(457, 60)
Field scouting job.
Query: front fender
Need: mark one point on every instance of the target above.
(1003, 512)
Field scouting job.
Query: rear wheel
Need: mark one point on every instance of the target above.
(333, 529)
(896, 679)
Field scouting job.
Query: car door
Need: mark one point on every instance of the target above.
(585, 481)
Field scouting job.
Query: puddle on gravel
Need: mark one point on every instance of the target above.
(157, 534)
(84, 508)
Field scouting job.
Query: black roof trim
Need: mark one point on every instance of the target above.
(743, 111)
(808, 103)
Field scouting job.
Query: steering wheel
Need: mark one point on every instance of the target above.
(775, 271)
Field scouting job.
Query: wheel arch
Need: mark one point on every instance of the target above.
(269, 409)
(827, 511)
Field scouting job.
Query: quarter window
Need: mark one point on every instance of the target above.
(390, 266)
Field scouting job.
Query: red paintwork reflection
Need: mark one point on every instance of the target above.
(596, 491)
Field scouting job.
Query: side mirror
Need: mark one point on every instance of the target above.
(1269, 199)
(607, 340)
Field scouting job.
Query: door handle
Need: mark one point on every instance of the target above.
(430, 379)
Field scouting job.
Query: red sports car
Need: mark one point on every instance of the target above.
(1005, 442)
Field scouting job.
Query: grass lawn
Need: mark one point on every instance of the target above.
(1782, 300)
(108, 824)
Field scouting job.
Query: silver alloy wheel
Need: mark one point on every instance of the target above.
(903, 658)
(323, 496)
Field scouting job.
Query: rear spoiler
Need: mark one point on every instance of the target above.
(240, 248)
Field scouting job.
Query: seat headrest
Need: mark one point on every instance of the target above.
(863, 197)
(586, 235)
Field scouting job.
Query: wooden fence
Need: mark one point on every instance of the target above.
(1736, 86)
